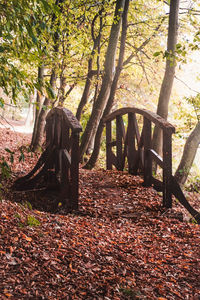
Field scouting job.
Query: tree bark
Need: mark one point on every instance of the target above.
(91, 73)
(42, 116)
(38, 103)
(109, 71)
(168, 79)
(40, 122)
(92, 161)
(29, 117)
(188, 156)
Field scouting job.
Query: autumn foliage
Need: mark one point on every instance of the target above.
(121, 244)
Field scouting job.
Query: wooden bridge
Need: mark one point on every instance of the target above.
(128, 145)
(58, 166)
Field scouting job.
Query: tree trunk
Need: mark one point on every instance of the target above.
(38, 104)
(29, 117)
(109, 71)
(188, 156)
(86, 91)
(92, 161)
(91, 73)
(168, 79)
(42, 116)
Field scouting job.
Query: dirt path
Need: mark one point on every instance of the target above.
(121, 244)
(16, 126)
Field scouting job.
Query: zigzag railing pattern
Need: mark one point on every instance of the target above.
(133, 142)
(58, 166)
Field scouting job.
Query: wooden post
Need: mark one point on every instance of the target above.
(75, 157)
(167, 168)
(147, 155)
(108, 146)
(131, 142)
(119, 136)
(65, 180)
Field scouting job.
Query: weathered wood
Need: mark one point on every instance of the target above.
(137, 132)
(139, 158)
(162, 123)
(147, 155)
(156, 157)
(75, 170)
(157, 184)
(177, 192)
(70, 119)
(131, 152)
(108, 146)
(60, 159)
(119, 137)
(142, 156)
(65, 179)
(167, 169)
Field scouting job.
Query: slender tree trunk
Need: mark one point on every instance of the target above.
(86, 91)
(109, 71)
(92, 161)
(42, 116)
(63, 97)
(188, 156)
(91, 73)
(40, 123)
(168, 79)
(38, 104)
(29, 117)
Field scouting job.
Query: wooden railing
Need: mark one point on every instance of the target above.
(59, 164)
(134, 142)
(136, 145)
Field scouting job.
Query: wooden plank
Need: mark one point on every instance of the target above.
(48, 131)
(21, 181)
(131, 131)
(65, 180)
(71, 120)
(67, 156)
(113, 159)
(52, 130)
(167, 169)
(125, 152)
(119, 137)
(147, 156)
(139, 157)
(177, 192)
(156, 157)
(162, 123)
(137, 132)
(157, 184)
(59, 131)
(74, 170)
(108, 146)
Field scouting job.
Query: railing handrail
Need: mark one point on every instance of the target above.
(158, 120)
(70, 119)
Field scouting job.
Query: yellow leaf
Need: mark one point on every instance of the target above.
(27, 238)
(8, 295)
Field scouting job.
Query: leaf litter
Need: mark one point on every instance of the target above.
(121, 244)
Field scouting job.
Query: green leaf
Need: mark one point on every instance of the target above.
(1, 102)
(9, 151)
(178, 46)
(157, 53)
(32, 221)
(50, 92)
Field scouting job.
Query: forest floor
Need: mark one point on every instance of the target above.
(121, 244)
